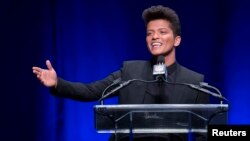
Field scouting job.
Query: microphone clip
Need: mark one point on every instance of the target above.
(159, 71)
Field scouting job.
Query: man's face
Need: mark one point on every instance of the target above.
(160, 38)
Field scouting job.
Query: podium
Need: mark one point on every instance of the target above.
(158, 118)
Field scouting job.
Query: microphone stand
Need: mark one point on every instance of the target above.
(203, 84)
(120, 86)
(197, 87)
(114, 83)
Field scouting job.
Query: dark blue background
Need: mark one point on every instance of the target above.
(88, 39)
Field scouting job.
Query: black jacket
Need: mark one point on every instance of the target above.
(144, 92)
(139, 92)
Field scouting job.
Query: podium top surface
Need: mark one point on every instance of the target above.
(161, 106)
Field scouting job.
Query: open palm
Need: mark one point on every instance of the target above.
(48, 77)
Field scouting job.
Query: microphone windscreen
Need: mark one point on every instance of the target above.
(161, 59)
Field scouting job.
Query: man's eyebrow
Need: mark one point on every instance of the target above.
(156, 29)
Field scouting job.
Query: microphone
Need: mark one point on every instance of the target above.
(159, 69)
(199, 88)
(204, 84)
(207, 92)
(116, 81)
(121, 85)
(112, 91)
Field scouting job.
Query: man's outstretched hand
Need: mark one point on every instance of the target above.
(48, 77)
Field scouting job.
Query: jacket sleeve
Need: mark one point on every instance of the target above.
(83, 91)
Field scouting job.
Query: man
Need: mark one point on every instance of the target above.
(163, 36)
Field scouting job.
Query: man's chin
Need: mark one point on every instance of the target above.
(157, 54)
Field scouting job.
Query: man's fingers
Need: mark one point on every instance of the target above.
(49, 65)
(36, 70)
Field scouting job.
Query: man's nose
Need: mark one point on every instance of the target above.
(155, 36)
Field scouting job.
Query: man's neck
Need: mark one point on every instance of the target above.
(170, 59)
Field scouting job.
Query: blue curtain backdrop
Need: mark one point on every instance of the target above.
(88, 39)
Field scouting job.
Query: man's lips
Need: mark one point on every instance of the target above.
(156, 44)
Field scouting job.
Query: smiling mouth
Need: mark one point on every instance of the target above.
(156, 45)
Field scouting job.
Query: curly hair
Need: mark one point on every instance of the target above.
(161, 12)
